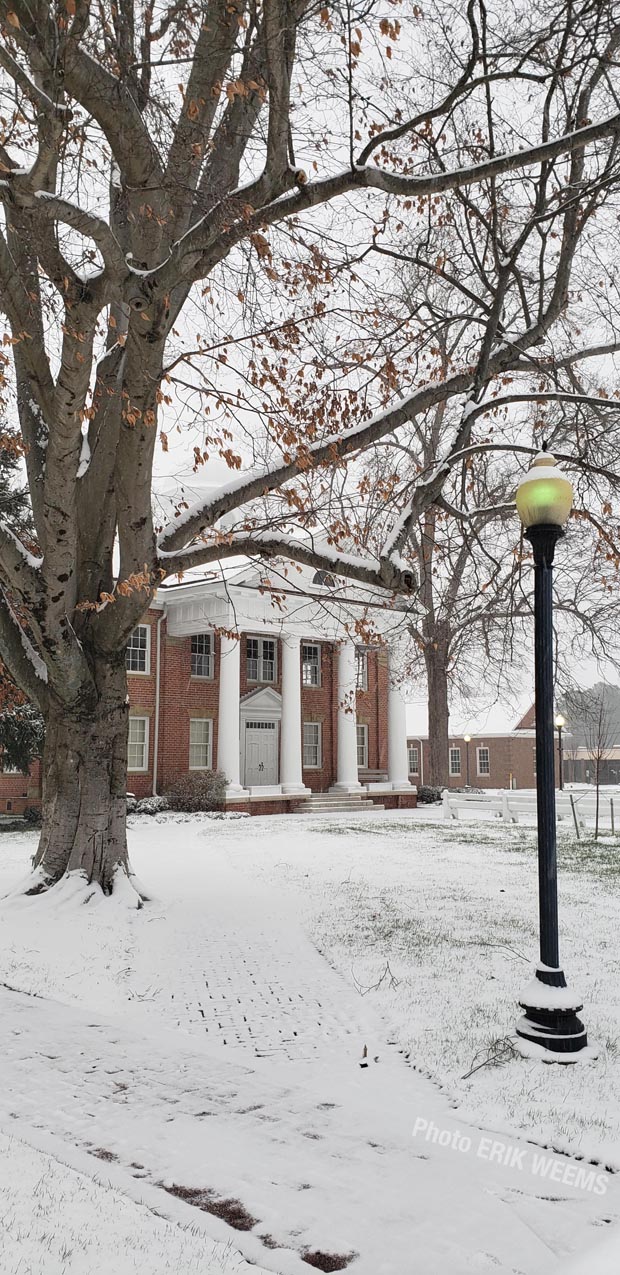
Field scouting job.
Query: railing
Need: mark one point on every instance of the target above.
(513, 805)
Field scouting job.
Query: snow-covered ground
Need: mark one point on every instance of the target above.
(183, 1089)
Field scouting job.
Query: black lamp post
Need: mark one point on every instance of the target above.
(560, 723)
(467, 741)
(544, 500)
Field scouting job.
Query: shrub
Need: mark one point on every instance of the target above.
(427, 794)
(150, 805)
(204, 791)
(32, 815)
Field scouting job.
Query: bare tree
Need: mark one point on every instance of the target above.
(193, 200)
(594, 718)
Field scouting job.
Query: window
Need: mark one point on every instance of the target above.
(202, 655)
(455, 761)
(200, 743)
(138, 743)
(6, 769)
(261, 659)
(324, 579)
(312, 746)
(362, 747)
(310, 664)
(484, 761)
(137, 655)
(414, 759)
(361, 661)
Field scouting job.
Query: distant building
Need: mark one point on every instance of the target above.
(491, 759)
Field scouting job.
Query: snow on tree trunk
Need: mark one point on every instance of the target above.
(438, 715)
(84, 790)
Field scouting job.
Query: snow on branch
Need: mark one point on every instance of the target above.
(202, 246)
(19, 655)
(381, 573)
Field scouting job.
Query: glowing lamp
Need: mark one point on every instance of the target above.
(544, 495)
(560, 721)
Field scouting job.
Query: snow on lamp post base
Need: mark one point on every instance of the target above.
(544, 500)
(550, 1018)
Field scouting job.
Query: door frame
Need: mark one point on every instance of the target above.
(263, 705)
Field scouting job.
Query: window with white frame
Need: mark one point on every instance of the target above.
(312, 746)
(261, 659)
(310, 664)
(361, 668)
(7, 769)
(484, 761)
(455, 761)
(138, 652)
(202, 655)
(138, 743)
(413, 754)
(362, 746)
(200, 735)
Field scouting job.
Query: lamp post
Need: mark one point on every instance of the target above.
(467, 741)
(544, 500)
(560, 723)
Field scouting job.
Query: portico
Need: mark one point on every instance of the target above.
(302, 708)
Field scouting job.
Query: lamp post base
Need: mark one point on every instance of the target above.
(550, 1019)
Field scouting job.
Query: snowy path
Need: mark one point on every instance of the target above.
(219, 1055)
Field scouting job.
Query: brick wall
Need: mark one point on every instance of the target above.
(19, 791)
(511, 760)
(317, 705)
(183, 696)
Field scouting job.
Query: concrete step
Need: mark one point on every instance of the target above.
(359, 808)
(326, 802)
(335, 799)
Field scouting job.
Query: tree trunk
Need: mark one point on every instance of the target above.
(84, 790)
(435, 658)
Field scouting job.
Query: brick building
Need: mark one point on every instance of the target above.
(488, 760)
(276, 696)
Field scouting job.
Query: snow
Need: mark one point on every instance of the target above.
(33, 561)
(84, 457)
(212, 1043)
(539, 995)
(58, 1218)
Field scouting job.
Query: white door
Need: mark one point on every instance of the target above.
(261, 753)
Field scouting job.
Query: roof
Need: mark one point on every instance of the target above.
(475, 717)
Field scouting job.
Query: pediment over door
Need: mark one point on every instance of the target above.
(263, 700)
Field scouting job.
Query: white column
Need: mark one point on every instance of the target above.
(398, 758)
(228, 742)
(347, 780)
(291, 777)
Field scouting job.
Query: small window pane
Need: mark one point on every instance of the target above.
(312, 745)
(361, 661)
(484, 762)
(362, 747)
(455, 761)
(268, 670)
(414, 759)
(137, 743)
(310, 664)
(252, 650)
(202, 655)
(136, 655)
(199, 743)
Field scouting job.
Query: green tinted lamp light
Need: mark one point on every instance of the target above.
(544, 495)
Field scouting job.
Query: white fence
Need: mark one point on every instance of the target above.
(513, 806)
